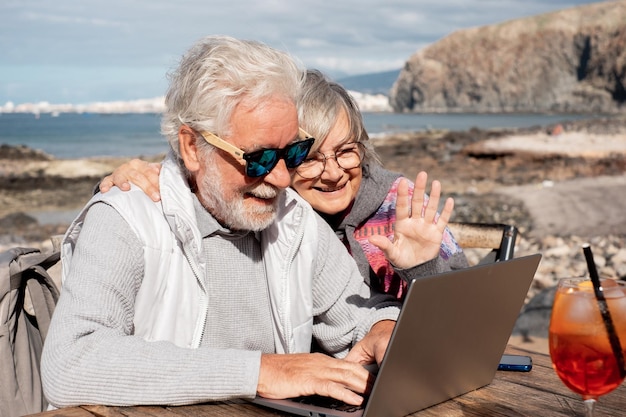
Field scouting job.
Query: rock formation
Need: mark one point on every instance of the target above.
(570, 61)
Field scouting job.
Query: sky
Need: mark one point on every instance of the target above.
(83, 51)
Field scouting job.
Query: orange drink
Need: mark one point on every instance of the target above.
(580, 347)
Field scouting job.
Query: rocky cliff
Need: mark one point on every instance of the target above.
(572, 60)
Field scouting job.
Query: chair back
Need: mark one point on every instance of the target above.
(498, 237)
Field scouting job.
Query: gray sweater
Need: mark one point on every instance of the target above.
(92, 357)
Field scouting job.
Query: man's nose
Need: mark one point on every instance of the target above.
(279, 176)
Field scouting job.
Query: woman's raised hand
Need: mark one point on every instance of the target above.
(419, 228)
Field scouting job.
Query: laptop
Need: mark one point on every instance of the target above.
(449, 339)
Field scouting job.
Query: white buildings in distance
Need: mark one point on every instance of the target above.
(366, 102)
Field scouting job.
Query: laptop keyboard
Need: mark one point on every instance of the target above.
(328, 402)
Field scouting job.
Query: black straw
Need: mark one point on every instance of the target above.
(604, 310)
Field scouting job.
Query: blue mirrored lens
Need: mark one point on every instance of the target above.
(261, 162)
(297, 153)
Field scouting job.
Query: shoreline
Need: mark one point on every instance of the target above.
(473, 166)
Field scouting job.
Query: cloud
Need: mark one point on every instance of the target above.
(59, 19)
(338, 37)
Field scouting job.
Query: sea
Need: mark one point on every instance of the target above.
(84, 135)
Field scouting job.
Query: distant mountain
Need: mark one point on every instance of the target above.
(373, 83)
(569, 61)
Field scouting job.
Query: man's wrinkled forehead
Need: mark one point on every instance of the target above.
(250, 108)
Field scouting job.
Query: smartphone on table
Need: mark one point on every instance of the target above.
(519, 363)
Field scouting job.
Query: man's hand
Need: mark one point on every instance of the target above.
(293, 375)
(141, 173)
(373, 346)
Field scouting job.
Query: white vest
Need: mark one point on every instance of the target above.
(172, 303)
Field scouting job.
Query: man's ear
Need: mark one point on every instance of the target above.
(188, 148)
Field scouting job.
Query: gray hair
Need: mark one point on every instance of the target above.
(319, 106)
(215, 75)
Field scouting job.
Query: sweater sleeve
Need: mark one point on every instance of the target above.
(456, 260)
(345, 307)
(91, 355)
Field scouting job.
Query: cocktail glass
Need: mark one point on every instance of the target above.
(582, 352)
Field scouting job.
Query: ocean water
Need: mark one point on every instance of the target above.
(71, 135)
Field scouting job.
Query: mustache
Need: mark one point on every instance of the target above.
(264, 191)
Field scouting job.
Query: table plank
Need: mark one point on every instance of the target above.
(213, 409)
(243, 408)
(66, 412)
(538, 392)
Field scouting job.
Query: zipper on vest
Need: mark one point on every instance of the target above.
(203, 302)
(292, 255)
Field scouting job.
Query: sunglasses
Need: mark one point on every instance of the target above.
(260, 163)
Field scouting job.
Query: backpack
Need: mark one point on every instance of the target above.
(28, 296)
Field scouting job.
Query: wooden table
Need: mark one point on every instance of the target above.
(536, 393)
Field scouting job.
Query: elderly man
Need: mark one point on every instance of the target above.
(219, 290)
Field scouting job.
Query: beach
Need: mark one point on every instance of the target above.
(561, 185)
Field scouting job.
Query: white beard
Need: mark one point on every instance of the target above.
(231, 210)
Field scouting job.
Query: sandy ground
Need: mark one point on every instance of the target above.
(584, 207)
(571, 144)
(580, 206)
(588, 206)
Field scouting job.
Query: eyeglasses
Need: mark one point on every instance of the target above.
(259, 163)
(348, 156)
